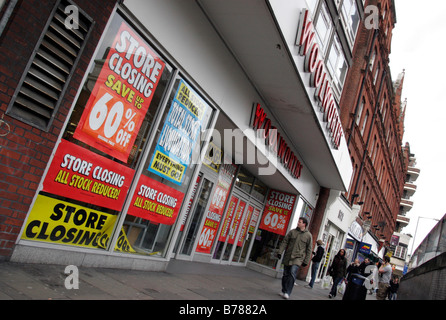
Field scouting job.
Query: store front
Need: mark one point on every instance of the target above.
(143, 172)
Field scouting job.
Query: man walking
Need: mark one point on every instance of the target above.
(316, 261)
(385, 274)
(297, 245)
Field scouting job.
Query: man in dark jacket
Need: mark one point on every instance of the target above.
(318, 255)
(297, 245)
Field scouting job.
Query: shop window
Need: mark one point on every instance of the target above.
(167, 171)
(87, 183)
(42, 87)
(244, 180)
(259, 191)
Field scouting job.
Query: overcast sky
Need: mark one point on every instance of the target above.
(419, 47)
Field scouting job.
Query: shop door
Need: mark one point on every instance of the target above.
(236, 233)
(246, 235)
(197, 207)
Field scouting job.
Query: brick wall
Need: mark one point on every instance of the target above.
(25, 150)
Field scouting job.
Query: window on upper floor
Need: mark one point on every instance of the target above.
(364, 123)
(337, 65)
(350, 19)
(324, 28)
(361, 108)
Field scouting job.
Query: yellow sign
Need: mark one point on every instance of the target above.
(165, 165)
(57, 221)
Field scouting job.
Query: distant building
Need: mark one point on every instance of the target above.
(399, 243)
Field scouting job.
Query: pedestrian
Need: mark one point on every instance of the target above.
(297, 245)
(316, 260)
(337, 271)
(353, 268)
(363, 270)
(384, 276)
(393, 289)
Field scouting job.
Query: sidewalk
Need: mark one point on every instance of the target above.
(182, 280)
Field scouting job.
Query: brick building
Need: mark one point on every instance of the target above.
(372, 114)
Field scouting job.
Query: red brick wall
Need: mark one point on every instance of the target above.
(25, 150)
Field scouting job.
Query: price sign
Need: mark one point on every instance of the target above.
(121, 96)
(277, 213)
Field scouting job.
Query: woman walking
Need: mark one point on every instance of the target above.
(337, 271)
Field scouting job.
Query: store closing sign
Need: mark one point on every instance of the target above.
(180, 132)
(57, 221)
(79, 174)
(277, 213)
(121, 96)
(155, 201)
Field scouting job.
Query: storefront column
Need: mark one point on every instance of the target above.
(315, 223)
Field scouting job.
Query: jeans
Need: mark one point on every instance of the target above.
(314, 268)
(289, 276)
(334, 288)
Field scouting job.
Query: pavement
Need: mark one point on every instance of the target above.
(182, 280)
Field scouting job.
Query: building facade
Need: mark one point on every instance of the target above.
(399, 245)
(136, 132)
(373, 117)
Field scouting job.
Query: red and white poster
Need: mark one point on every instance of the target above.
(215, 211)
(244, 230)
(228, 218)
(236, 221)
(278, 210)
(79, 174)
(121, 96)
(155, 201)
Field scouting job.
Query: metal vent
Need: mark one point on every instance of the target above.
(51, 65)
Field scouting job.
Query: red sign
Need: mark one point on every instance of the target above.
(275, 141)
(121, 96)
(155, 201)
(80, 174)
(215, 211)
(245, 226)
(236, 221)
(229, 213)
(277, 213)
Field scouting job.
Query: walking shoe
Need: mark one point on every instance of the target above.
(286, 296)
(281, 294)
(330, 296)
(308, 286)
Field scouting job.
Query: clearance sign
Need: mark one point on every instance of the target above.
(155, 201)
(180, 132)
(80, 174)
(277, 213)
(62, 222)
(121, 97)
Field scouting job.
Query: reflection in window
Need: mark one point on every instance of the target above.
(244, 180)
(337, 65)
(350, 19)
(324, 27)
